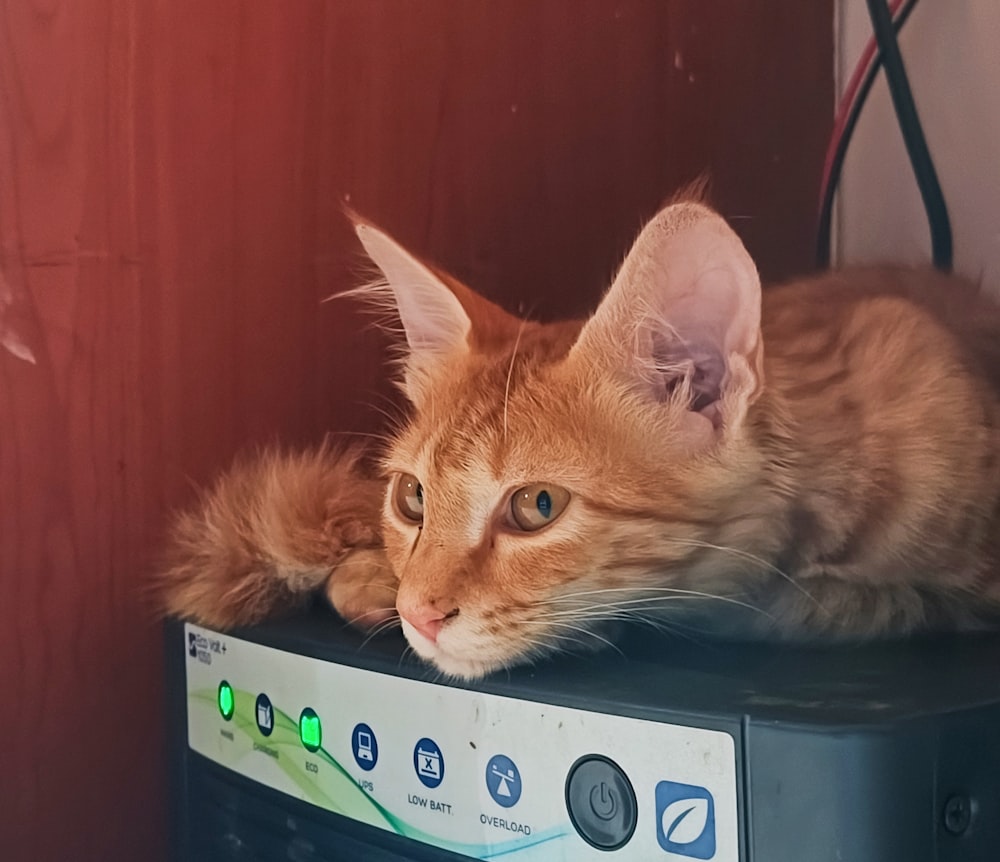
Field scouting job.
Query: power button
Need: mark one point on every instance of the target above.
(601, 802)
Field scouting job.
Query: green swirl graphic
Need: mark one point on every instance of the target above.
(345, 796)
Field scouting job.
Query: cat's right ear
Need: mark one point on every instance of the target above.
(680, 325)
(435, 324)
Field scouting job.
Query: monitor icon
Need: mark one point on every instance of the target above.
(364, 746)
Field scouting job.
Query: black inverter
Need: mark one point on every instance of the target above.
(297, 741)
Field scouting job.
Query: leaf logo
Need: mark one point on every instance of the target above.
(685, 820)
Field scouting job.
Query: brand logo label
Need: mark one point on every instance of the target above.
(202, 648)
(685, 820)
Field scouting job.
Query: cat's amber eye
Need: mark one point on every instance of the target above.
(535, 506)
(408, 498)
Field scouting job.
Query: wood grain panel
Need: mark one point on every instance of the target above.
(172, 175)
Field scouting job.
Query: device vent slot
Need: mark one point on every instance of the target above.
(230, 822)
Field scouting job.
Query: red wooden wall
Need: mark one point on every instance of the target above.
(171, 178)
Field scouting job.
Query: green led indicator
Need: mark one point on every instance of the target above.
(227, 703)
(310, 729)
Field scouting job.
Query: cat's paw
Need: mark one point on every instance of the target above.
(362, 589)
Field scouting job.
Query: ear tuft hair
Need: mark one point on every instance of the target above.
(681, 322)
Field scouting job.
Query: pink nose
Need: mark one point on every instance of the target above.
(426, 619)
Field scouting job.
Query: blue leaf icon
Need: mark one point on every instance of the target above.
(684, 820)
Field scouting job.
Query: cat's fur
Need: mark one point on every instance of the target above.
(269, 533)
(820, 461)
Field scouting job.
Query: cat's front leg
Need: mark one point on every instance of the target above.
(362, 589)
(269, 533)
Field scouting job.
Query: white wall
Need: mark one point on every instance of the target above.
(951, 49)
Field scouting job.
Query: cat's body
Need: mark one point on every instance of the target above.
(822, 462)
(887, 380)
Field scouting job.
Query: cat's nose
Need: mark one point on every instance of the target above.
(426, 618)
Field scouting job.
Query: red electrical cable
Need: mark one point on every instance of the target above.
(847, 101)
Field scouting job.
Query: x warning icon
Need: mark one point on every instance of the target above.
(428, 762)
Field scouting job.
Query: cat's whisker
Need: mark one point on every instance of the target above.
(372, 612)
(604, 590)
(378, 584)
(534, 654)
(596, 612)
(405, 654)
(510, 374)
(651, 601)
(669, 627)
(675, 592)
(386, 622)
(380, 629)
(391, 410)
(584, 631)
(382, 438)
(396, 420)
(746, 555)
(674, 629)
(593, 615)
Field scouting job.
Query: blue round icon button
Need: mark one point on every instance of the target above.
(364, 746)
(503, 780)
(428, 762)
(264, 715)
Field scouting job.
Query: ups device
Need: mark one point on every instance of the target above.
(296, 741)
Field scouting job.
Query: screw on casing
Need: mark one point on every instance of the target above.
(957, 814)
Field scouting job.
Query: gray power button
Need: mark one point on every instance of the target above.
(601, 802)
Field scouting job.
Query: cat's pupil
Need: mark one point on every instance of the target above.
(544, 503)
(535, 506)
(408, 498)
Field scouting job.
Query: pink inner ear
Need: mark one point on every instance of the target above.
(691, 290)
(701, 364)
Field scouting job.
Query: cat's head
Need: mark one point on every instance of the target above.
(553, 477)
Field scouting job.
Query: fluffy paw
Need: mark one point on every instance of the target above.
(362, 589)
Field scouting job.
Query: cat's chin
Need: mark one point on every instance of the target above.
(456, 665)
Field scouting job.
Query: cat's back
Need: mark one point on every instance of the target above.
(885, 320)
(886, 382)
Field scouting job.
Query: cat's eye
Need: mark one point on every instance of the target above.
(535, 506)
(408, 498)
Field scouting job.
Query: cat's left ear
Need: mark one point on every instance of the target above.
(443, 320)
(434, 323)
(681, 322)
(433, 319)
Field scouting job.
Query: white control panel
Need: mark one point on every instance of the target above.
(477, 774)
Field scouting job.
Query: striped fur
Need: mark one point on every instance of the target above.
(817, 461)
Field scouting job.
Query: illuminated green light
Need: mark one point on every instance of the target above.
(227, 703)
(310, 729)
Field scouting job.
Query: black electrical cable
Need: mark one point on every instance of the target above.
(829, 191)
(913, 135)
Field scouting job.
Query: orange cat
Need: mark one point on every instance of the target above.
(820, 461)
